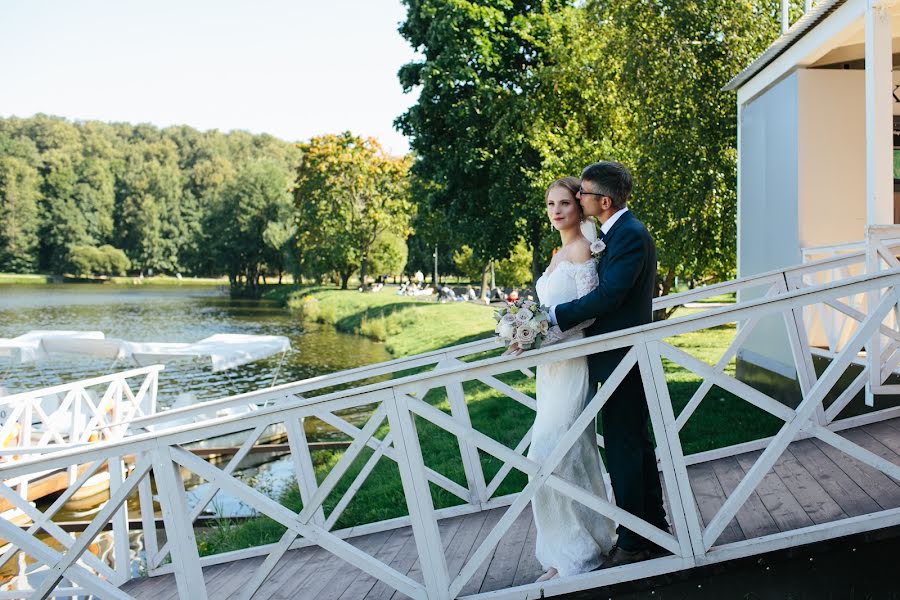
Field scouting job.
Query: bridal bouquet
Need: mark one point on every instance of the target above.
(523, 322)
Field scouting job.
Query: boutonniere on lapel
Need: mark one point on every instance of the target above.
(598, 247)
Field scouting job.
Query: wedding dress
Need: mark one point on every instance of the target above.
(570, 537)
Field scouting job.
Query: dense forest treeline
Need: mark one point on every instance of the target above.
(158, 195)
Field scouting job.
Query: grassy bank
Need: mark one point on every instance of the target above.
(411, 326)
(24, 278)
(407, 325)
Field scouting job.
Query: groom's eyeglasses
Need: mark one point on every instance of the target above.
(584, 192)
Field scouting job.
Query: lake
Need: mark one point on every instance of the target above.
(176, 314)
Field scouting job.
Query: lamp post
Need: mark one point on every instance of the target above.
(434, 279)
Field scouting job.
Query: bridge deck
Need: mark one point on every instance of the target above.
(812, 483)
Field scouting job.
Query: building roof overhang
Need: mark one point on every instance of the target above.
(798, 30)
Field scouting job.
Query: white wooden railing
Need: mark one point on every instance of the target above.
(80, 412)
(390, 432)
(830, 326)
(68, 416)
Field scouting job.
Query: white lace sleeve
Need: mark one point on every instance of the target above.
(586, 279)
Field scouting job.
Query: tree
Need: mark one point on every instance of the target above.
(683, 140)
(258, 197)
(470, 129)
(18, 215)
(149, 219)
(515, 271)
(348, 192)
(280, 239)
(389, 254)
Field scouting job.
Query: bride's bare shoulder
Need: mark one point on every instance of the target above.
(580, 251)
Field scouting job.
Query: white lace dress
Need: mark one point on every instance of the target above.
(570, 537)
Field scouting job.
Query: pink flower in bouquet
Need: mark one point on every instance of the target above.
(524, 315)
(508, 318)
(524, 336)
(545, 327)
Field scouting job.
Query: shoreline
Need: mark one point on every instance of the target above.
(159, 280)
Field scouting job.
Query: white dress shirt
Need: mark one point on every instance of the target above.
(605, 229)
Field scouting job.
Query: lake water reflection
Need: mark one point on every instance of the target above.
(178, 314)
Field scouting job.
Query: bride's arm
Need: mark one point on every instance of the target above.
(586, 279)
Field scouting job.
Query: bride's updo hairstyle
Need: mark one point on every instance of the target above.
(570, 183)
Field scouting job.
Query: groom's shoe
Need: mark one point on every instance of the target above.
(620, 556)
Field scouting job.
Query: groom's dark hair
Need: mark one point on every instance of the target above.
(611, 179)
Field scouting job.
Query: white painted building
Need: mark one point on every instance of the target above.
(815, 150)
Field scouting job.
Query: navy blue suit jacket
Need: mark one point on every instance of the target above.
(624, 298)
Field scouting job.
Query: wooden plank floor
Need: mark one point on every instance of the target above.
(811, 483)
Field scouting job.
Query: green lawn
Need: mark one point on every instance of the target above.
(26, 278)
(416, 326)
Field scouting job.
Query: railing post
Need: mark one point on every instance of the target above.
(799, 343)
(468, 452)
(154, 389)
(303, 465)
(685, 520)
(178, 525)
(121, 553)
(418, 497)
(148, 522)
(77, 433)
(873, 345)
(25, 441)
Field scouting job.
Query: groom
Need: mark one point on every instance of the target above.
(624, 298)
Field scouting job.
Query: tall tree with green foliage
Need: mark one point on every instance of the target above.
(348, 193)
(680, 128)
(470, 129)
(19, 222)
(258, 197)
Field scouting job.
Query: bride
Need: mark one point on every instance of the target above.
(571, 538)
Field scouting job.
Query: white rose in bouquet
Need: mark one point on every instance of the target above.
(505, 330)
(524, 315)
(525, 336)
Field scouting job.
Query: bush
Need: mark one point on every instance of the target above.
(117, 262)
(327, 314)
(514, 271)
(85, 261)
(305, 307)
(374, 328)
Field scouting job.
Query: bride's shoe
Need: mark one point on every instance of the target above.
(550, 574)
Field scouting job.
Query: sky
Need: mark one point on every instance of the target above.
(291, 68)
